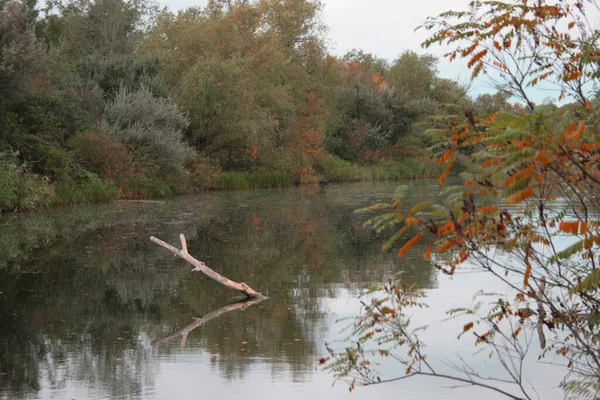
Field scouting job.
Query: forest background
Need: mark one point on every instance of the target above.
(113, 99)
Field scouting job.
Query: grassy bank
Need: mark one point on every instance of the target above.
(21, 189)
(334, 169)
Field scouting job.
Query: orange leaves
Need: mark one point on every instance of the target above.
(446, 228)
(493, 161)
(574, 227)
(476, 58)
(488, 209)
(469, 49)
(543, 158)
(446, 156)
(526, 173)
(527, 274)
(520, 196)
(410, 221)
(446, 172)
(410, 244)
(589, 146)
(468, 327)
(427, 255)
(571, 227)
(442, 248)
(378, 80)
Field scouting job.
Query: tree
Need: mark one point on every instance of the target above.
(152, 128)
(527, 214)
(521, 44)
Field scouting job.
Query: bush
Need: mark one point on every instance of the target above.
(152, 128)
(334, 169)
(102, 154)
(20, 189)
(85, 187)
(204, 173)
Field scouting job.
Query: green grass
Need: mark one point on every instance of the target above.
(20, 189)
(250, 180)
(334, 169)
(406, 170)
(143, 187)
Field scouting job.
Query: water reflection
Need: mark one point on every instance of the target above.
(83, 292)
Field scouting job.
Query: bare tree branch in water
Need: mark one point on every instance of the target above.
(201, 267)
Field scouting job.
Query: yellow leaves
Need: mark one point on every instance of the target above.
(520, 196)
(409, 244)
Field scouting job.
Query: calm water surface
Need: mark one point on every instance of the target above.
(87, 302)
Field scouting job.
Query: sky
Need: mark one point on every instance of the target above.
(386, 28)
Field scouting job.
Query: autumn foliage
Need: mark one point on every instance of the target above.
(528, 209)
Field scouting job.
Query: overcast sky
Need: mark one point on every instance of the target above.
(384, 28)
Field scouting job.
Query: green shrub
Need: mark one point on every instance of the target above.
(20, 189)
(204, 173)
(334, 169)
(102, 154)
(85, 187)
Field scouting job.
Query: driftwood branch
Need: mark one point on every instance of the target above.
(183, 332)
(200, 266)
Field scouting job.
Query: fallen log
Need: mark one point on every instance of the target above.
(183, 332)
(201, 267)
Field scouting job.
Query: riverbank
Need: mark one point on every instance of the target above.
(23, 190)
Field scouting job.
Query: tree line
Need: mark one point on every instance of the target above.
(111, 99)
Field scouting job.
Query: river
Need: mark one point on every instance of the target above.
(85, 295)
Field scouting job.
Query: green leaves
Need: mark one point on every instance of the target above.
(589, 284)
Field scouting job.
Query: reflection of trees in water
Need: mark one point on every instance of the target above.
(84, 292)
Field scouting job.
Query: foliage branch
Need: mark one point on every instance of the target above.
(527, 213)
